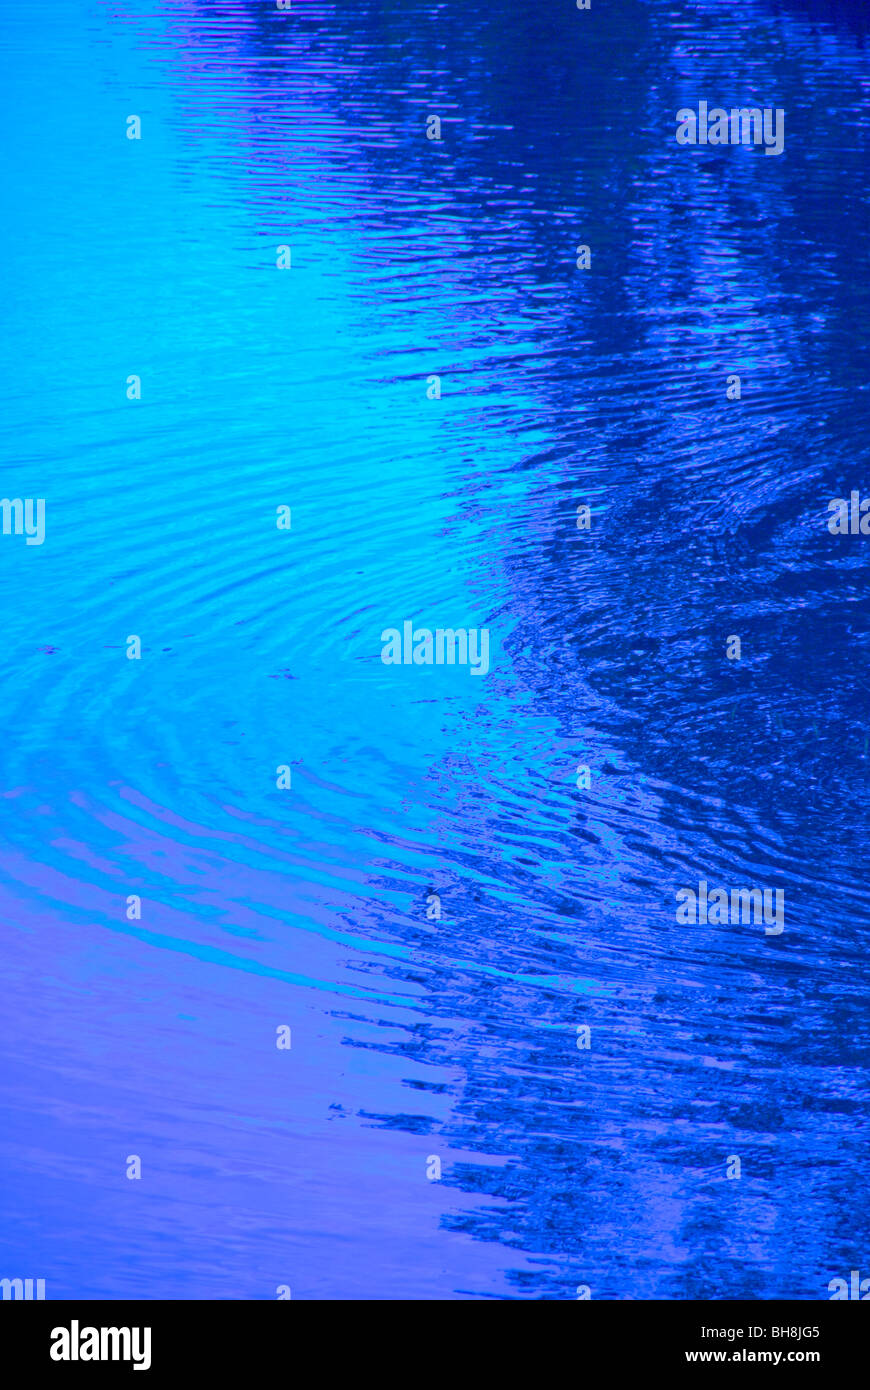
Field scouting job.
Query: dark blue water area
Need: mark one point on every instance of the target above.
(426, 1044)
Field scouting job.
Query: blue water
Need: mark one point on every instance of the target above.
(416, 1038)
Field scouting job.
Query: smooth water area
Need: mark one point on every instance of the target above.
(314, 908)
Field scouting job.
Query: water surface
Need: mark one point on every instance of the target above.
(415, 1038)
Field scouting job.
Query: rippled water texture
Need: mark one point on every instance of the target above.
(313, 907)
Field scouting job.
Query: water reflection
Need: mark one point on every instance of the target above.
(454, 1036)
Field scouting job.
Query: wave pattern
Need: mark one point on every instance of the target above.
(416, 1036)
